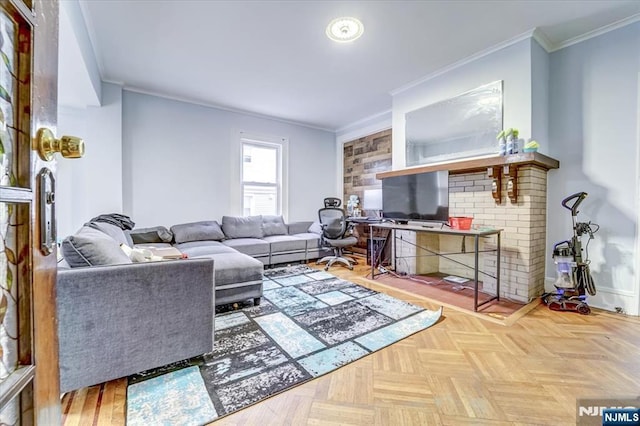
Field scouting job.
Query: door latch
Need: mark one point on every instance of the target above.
(46, 201)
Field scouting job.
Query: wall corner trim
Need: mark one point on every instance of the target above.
(542, 40)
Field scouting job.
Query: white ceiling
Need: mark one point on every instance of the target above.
(273, 57)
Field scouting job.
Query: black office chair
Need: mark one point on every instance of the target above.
(334, 234)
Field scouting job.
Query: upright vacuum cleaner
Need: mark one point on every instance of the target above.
(574, 279)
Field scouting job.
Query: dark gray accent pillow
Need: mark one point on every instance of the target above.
(197, 231)
(273, 225)
(91, 247)
(155, 234)
(242, 227)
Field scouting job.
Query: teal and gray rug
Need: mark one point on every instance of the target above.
(309, 323)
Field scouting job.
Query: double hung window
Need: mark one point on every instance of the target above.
(261, 178)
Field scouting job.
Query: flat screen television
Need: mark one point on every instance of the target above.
(420, 197)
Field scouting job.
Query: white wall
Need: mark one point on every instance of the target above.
(181, 161)
(593, 119)
(511, 64)
(79, 82)
(92, 185)
(539, 96)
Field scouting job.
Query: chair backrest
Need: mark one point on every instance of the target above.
(333, 221)
(332, 202)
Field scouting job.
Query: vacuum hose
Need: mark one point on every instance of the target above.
(585, 279)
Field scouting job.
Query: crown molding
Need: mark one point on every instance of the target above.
(597, 32)
(462, 62)
(116, 82)
(364, 121)
(536, 34)
(542, 40)
(223, 108)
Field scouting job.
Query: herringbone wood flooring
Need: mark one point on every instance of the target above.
(462, 371)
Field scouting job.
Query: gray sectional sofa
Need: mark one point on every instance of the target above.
(241, 247)
(116, 317)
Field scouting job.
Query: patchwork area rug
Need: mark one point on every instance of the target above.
(308, 324)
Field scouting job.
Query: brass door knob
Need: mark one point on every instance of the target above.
(46, 144)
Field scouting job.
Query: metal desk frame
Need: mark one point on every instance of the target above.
(476, 234)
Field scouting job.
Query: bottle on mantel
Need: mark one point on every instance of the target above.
(512, 142)
(502, 143)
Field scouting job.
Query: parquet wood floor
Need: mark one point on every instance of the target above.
(464, 370)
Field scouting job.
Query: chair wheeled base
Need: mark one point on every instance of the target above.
(338, 257)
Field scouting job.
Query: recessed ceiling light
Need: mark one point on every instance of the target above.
(345, 29)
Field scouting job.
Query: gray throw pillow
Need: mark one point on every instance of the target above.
(155, 234)
(91, 247)
(316, 228)
(197, 231)
(273, 225)
(242, 227)
(111, 230)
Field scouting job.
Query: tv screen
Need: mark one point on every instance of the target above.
(422, 196)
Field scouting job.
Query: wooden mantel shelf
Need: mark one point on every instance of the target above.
(480, 164)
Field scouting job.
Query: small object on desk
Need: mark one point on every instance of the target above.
(460, 222)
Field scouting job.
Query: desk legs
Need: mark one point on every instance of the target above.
(475, 273)
(498, 266)
(475, 294)
(373, 254)
(378, 252)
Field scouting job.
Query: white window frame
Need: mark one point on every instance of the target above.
(282, 147)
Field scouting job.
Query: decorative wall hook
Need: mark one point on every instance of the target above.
(496, 183)
(511, 173)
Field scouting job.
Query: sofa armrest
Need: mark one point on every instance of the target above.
(298, 227)
(118, 320)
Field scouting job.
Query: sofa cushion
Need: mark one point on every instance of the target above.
(156, 234)
(91, 247)
(235, 268)
(315, 228)
(285, 243)
(250, 246)
(273, 225)
(312, 240)
(113, 231)
(242, 227)
(197, 231)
